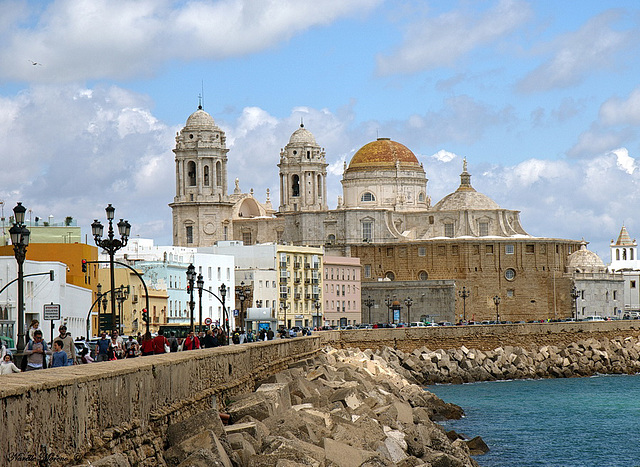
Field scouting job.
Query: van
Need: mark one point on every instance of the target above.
(594, 318)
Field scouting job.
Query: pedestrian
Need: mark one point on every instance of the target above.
(36, 352)
(115, 344)
(250, 336)
(173, 342)
(209, 341)
(67, 344)
(235, 337)
(33, 327)
(262, 335)
(147, 344)
(160, 343)
(129, 342)
(7, 366)
(59, 357)
(201, 336)
(103, 347)
(191, 342)
(85, 357)
(243, 336)
(269, 334)
(132, 349)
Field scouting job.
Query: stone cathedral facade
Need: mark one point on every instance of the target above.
(384, 216)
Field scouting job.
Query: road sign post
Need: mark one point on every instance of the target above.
(51, 312)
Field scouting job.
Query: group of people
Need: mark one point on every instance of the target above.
(36, 351)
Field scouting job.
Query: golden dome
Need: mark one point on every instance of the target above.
(382, 153)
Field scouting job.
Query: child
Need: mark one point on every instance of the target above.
(85, 357)
(59, 357)
(7, 366)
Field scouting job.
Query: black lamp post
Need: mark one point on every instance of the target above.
(243, 294)
(408, 301)
(369, 302)
(223, 294)
(496, 301)
(122, 294)
(284, 306)
(191, 277)
(464, 294)
(317, 306)
(111, 245)
(575, 293)
(200, 284)
(388, 302)
(20, 240)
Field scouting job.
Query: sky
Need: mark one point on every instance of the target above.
(542, 98)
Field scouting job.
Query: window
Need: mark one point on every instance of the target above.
(508, 249)
(246, 238)
(488, 249)
(367, 271)
(448, 229)
(331, 239)
(191, 172)
(367, 196)
(295, 185)
(421, 197)
(219, 274)
(422, 251)
(218, 173)
(367, 231)
(189, 234)
(529, 249)
(343, 288)
(510, 274)
(632, 284)
(484, 229)
(389, 252)
(423, 276)
(390, 275)
(206, 175)
(631, 254)
(617, 255)
(510, 293)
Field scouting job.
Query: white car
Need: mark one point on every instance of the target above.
(594, 318)
(417, 324)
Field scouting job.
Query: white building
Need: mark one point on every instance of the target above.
(624, 259)
(40, 290)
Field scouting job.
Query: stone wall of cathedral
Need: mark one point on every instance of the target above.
(527, 274)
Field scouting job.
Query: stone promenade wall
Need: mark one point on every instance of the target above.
(481, 337)
(66, 415)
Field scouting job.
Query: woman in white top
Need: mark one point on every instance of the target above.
(7, 367)
(35, 326)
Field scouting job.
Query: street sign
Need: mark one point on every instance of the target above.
(51, 311)
(208, 321)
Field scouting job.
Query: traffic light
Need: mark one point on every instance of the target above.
(84, 265)
(145, 315)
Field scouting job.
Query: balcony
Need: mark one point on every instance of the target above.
(284, 280)
(296, 280)
(316, 296)
(283, 296)
(297, 296)
(296, 265)
(316, 265)
(283, 265)
(308, 296)
(315, 281)
(307, 265)
(307, 281)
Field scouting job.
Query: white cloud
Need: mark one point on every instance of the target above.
(624, 161)
(85, 39)
(441, 41)
(616, 111)
(595, 46)
(444, 156)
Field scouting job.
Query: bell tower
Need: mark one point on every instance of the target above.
(303, 174)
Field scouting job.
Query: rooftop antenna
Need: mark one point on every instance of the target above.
(301, 123)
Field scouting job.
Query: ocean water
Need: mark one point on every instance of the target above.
(551, 422)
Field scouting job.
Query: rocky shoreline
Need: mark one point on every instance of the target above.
(582, 358)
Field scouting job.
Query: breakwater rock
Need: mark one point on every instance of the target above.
(462, 365)
(343, 408)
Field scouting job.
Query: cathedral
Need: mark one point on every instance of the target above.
(384, 217)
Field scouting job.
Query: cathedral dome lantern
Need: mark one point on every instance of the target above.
(466, 197)
(302, 136)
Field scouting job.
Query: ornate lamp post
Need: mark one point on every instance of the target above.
(388, 302)
(111, 245)
(408, 301)
(284, 306)
(200, 284)
(191, 277)
(243, 294)
(464, 294)
(575, 293)
(496, 302)
(20, 240)
(223, 294)
(122, 294)
(317, 305)
(369, 302)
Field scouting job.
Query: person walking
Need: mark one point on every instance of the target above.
(160, 343)
(209, 341)
(132, 349)
(191, 342)
(147, 344)
(103, 347)
(269, 334)
(59, 357)
(173, 342)
(36, 352)
(67, 344)
(7, 366)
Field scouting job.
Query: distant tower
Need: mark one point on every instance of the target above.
(624, 253)
(201, 180)
(303, 174)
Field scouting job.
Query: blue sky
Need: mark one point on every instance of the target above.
(542, 98)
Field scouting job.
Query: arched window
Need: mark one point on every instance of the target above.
(367, 196)
(624, 254)
(295, 185)
(191, 173)
(331, 239)
(390, 275)
(319, 186)
(206, 175)
(423, 276)
(421, 197)
(617, 255)
(631, 254)
(218, 173)
(367, 231)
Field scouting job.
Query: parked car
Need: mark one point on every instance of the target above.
(594, 318)
(417, 324)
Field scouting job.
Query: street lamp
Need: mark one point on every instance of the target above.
(111, 245)
(388, 302)
(575, 293)
(369, 302)
(122, 294)
(496, 301)
(191, 277)
(200, 284)
(20, 240)
(284, 306)
(317, 305)
(464, 294)
(408, 301)
(243, 294)
(223, 294)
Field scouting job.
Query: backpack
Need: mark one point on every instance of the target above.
(235, 338)
(174, 344)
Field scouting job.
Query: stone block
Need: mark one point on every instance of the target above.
(208, 420)
(278, 394)
(346, 456)
(206, 440)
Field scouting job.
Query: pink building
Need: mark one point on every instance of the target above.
(342, 293)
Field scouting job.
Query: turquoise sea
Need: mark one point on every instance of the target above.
(551, 422)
